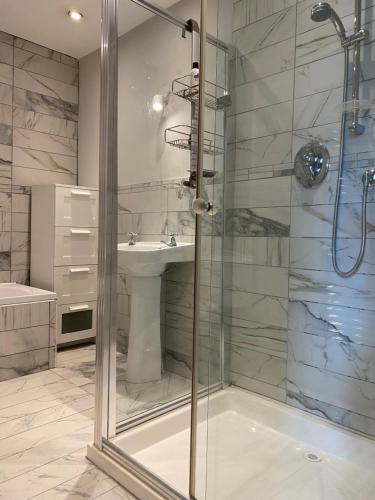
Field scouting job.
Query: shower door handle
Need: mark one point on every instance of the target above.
(201, 206)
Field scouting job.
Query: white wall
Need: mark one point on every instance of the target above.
(150, 57)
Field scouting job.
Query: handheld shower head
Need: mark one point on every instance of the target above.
(322, 11)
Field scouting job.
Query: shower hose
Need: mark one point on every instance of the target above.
(366, 179)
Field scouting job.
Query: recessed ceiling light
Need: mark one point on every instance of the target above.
(75, 15)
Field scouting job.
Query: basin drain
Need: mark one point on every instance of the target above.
(312, 457)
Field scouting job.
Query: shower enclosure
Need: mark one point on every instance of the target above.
(236, 348)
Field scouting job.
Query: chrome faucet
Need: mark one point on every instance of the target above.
(172, 242)
(132, 237)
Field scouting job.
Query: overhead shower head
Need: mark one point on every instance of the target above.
(322, 11)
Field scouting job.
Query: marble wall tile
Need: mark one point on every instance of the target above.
(41, 103)
(45, 52)
(44, 142)
(20, 260)
(268, 342)
(259, 251)
(263, 280)
(6, 38)
(316, 221)
(262, 122)
(262, 63)
(317, 109)
(259, 366)
(5, 202)
(25, 340)
(6, 74)
(270, 90)
(333, 355)
(18, 365)
(5, 94)
(330, 76)
(44, 66)
(338, 390)
(43, 123)
(24, 316)
(20, 241)
(340, 416)
(21, 203)
(328, 288)
(259, 193)
(264, 151)
(5, 173)
(265, 32)
(45, 86)
(5, 241)
(316, 254)
(259, 387)
(4, 261)
(264, 222)
(6, 53)
(142, 224)
(332, 321)
(42, 160)
(5, 134)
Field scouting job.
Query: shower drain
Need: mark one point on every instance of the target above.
(312, 457)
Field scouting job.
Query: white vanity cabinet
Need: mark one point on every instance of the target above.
(64, 255)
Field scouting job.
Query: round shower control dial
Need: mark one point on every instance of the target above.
(311, 164)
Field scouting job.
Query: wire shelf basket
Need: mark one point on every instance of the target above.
(180, 136)
(217, 97)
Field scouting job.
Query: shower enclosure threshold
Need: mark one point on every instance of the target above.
(266, 450)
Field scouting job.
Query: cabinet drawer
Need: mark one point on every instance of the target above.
(75, 283)
(76, 207)
(76, 246)
(76, 322)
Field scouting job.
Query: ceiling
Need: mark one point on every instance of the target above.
(45, 22)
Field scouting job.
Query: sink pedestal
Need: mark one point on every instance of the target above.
(144, 351)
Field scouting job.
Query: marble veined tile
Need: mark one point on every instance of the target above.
(44, 66)
(316, 253)
(264, 62)
(5, 94)
(316, 221)
(6, 53)
(260, 251)
(23, 340)
(259, 311)
(332, 321)
(6, 38)
(318, 109)
(258, 386)
(42, 160)
(40, 103)
(268, 31)
(44, 142)
(264, 92)
(256, 340)
(262, 122)
(5, 134)
(45, 52)
(258, 365)
(333, 355)
(345, 392)
(6, 74)
(46, 86)
(264, 280)
(43, 123)
(319, 76)
(47, 476)
(18, 365)
(274, 192)
(269, 222)
(332, 413)
(270, 150)
(329, 288)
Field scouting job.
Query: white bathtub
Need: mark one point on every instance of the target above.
(13, 293)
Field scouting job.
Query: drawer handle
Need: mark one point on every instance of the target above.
(80, 231)
(76, 192)
(83, 307)
(79, 270)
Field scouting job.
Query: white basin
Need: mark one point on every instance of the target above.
(151, 258)
(144, 263)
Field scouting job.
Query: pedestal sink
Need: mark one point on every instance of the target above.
(144, 263)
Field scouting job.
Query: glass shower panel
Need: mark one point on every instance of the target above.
(298, 345)
(155, 278)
